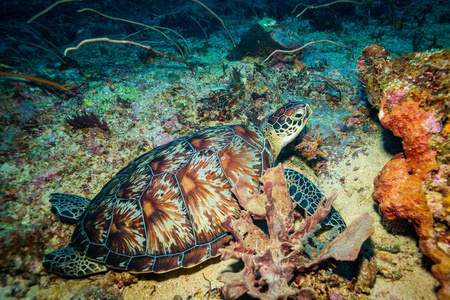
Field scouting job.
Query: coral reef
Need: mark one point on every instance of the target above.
(148, 101)
(272, 260)
(412, 94)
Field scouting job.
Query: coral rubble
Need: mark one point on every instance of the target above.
(412, 94)
(272, 260)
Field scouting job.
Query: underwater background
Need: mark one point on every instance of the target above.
(375, 73)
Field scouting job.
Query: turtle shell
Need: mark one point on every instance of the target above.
(165, 210)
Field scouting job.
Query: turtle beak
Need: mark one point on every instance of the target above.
(310, 111)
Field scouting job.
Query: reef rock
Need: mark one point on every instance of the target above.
(272, 260)
(412, 95)
(263, 38)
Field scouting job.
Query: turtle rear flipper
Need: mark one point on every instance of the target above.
(308, 197)
(68, 263)
(68, 208)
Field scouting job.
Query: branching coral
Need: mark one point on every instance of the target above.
(272, 260)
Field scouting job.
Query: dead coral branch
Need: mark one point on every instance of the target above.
(328, 4)
(218, 18)
(154, 28)
(389, 2)
(306, 45)
(131, 43)
(48, 9)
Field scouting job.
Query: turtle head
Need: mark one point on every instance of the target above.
(283, 126)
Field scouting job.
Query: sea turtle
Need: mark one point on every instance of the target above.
(165, 209)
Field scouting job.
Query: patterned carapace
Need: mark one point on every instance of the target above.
(165, 209)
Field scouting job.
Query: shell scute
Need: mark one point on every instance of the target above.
(211, 138)
(194, 255)
(148, 157)
(219, 243)
(251, 135)
(166, 263)
(117, 260)
(241, 159)
(97, 220)
(166, 219)
(80, 241)
(141, 264)
(111, 188)
(206, 192)
(171, 159)
(136, 184)
(267, 160)
(126, 233)
(97, 252)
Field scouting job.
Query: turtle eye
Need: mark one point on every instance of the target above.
(297, 116)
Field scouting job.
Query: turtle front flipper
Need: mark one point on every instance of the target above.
(308, 197)
(68, 208)
(68, 263)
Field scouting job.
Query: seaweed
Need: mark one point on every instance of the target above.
(86, 120)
